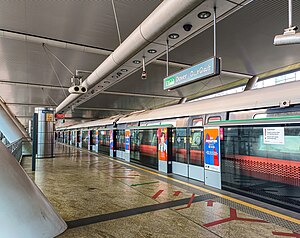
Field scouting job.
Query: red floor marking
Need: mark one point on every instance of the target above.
(156, 195)
(188, 205)
(233, 216)
(286, 234)
(210, 203)
(176, 193)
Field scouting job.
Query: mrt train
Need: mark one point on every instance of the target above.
(259, 136)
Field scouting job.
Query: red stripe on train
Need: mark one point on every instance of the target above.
(285, 171)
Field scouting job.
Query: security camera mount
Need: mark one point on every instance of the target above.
(289, 36)
(77, 89)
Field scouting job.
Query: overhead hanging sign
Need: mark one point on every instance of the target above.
(205, 69)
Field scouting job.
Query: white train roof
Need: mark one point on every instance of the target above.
(257, 98)
(96, 123)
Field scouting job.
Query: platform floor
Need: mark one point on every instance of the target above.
(102, 197)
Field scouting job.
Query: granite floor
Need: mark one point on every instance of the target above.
(100, 197)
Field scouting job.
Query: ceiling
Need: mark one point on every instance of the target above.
(244, 41)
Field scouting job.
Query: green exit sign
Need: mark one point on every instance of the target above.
(169, 82)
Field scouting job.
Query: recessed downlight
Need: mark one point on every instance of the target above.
(124, 70)
(152, 51)
(136, 61)
(204, 14)
(173, 36)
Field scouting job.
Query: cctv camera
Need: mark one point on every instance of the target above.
(83, 89)
(289, 36)
(144, 75)
(187, 27)
(77, 89)
(74, 89)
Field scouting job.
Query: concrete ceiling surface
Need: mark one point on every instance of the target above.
(244, 40)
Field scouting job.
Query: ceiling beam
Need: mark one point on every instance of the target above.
(34, 85)
(140, 95)
(29, 104)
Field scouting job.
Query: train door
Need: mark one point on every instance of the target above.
(85, 139)
(112, 143)
(179, 151)
(78, 138)
(120, 143)
(67, 137)
(212, 156)
(103, 141)
(145, 148)
(93, 140)
(196, 159)
(70, 137)
(134, 145)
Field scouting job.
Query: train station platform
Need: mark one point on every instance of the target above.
(103, 197)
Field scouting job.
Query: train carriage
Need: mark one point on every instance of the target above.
(254, 162)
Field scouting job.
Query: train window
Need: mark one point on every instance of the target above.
(252, 165)
(196, 147)
(197, 122)
(278, 114)
(214, 118)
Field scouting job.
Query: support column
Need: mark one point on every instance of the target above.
(45, 132)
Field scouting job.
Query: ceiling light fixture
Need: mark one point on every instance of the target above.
(136, 61)
(204, 15)
(106, 81)
(152, 51)
(124, 70)
(173, 36)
